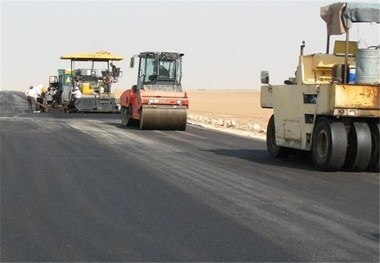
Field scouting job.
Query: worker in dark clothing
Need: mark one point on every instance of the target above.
(49, 96)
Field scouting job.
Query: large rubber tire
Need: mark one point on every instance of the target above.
(125, 116)
(329, 145)
(274, 150)
(359, 147)
(373, 165)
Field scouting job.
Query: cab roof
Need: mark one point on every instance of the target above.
(161, 55)
(340, 16)
(97, 56)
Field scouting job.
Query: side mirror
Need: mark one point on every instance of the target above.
(132, 64)
(264, 75)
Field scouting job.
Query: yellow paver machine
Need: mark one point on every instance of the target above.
(94, 74)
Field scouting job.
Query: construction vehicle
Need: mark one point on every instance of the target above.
(94, 77)
(331, 107)
(157, 101)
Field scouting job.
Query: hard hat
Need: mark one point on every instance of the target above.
(76, 88)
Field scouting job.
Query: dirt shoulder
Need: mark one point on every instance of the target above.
(238, 112)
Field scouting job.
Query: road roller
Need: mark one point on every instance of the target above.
(331, 107)
(157, 102)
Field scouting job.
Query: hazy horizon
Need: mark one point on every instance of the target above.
(226, 43)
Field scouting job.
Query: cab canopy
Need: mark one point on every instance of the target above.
(97, 56)
(340, 16)
(162, 55)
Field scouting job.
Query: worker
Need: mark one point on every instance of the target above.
(163, 72)
(49, 96)
(78, 97)
(31, 98)
(40, 92)
(114, 70)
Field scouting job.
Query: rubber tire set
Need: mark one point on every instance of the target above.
(334, 147)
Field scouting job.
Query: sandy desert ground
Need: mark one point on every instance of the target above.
(229, 110)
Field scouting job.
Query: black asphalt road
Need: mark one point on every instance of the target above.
(79, 187)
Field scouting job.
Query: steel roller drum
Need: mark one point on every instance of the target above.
(163, 118)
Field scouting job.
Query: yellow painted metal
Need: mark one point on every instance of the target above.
(340, 47)
(97, 56)
(86, 89)
(357, 97)
(317, 68)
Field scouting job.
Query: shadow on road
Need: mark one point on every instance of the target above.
(374, 236)
(297, 159)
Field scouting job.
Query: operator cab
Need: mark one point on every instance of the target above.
(159, 71)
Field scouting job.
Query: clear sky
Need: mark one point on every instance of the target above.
(226, 43)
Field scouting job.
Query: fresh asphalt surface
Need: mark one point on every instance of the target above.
(80, 187)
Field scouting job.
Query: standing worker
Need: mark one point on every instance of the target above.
(49, 96)
(40, 93)
(31, 95)
(78, 97)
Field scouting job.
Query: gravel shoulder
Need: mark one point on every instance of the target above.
(232, 111)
